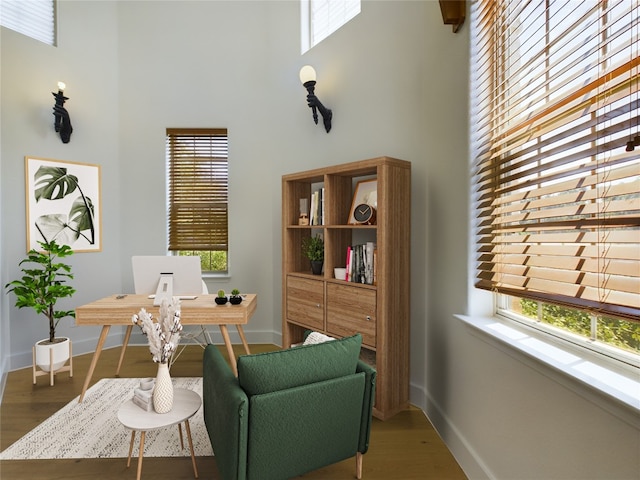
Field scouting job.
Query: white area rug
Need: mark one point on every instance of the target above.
(91, 429)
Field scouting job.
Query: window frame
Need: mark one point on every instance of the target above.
(566, 338)
(190, 200)
(598, 351)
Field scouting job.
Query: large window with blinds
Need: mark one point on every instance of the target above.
(556, 146)
(198, 195)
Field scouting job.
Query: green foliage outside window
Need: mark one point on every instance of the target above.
(612, 331)
(210, 261)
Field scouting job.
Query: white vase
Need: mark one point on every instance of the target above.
(163, 390)
(60, 354)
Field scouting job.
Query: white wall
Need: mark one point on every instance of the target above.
(397, 80)
(86, 60)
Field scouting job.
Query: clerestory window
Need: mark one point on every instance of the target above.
(320, 18)
(34, 18)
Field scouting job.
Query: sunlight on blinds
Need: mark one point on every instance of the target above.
(557, 191)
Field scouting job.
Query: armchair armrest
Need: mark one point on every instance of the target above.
(367, 407)
(226, 414)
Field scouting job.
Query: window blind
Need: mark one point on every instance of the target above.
(198, 184)
(34, 18)
(556, 190)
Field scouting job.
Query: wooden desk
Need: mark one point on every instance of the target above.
(200, 311)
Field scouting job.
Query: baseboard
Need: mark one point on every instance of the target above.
(3, 380)
(460, 448)
(253, 337)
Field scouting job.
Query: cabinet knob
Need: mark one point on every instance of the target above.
(317, 305)
(368, 318)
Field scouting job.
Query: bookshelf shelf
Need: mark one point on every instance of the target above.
(380, 311)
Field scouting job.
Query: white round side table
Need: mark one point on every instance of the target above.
(185, 405)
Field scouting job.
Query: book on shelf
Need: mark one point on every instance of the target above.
(316, 213)
(360, 263)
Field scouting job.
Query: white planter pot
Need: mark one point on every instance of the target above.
(60, 354)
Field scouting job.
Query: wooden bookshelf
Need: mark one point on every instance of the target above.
(339, 308)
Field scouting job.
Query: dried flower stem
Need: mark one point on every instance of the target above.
(164, 335)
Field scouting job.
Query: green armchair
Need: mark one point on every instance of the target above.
(290, 411)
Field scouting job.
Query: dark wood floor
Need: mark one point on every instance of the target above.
(405, 447)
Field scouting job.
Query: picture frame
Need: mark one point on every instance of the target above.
(63, 203)
(366, 192)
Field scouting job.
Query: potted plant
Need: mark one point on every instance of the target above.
(235, 297)
(313, 249)
(221, 299)
(40, 288)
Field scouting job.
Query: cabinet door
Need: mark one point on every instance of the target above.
(305, 302)
(351, 310)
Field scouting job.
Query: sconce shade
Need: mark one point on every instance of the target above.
(307, 74)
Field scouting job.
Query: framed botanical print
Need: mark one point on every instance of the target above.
(63, 204)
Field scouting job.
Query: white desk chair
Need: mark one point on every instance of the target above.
(196, 333)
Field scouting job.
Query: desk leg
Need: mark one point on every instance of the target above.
(127, 336)
(140, 454)
(227, 342)
(244, 340)
(193, 458)
(94, 360)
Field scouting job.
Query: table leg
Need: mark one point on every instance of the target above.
(181, 439)
(133, 437)
(244, 340)
(127, 336)
(94, 360)
(193, 457)
(140, 454)
(227, 342)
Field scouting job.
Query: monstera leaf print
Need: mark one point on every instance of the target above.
(54, 183)
(56, 227)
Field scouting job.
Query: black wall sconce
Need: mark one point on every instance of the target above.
(308, 79)
(62, 122)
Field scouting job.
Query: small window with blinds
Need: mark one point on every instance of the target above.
(557, 153)
(35, 18)
(198, 195)
(320, 18)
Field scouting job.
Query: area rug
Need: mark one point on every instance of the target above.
(91, 429)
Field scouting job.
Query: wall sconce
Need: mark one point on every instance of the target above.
(62, 121)
(308, 79)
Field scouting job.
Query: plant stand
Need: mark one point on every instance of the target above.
(51, 372)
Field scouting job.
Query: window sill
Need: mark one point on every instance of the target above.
(593, 377)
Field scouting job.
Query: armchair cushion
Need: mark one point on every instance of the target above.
(283, 369)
